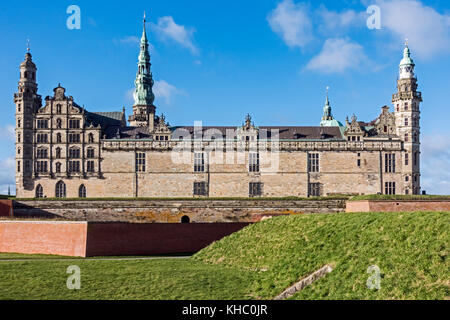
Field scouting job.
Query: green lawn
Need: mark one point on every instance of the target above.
(260, 261)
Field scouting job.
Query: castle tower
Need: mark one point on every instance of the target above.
(328, 120)
(407, 119)
(143, 109)
(27, 103)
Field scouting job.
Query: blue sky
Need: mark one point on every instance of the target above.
(215, 61)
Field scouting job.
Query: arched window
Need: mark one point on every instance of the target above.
(58, 153)
(91, 138)
(82, 191)
(58, 138)
(58, 109)
(39, 192)
(58, 167)
(185, 219)
(60, 190)
(58, 123)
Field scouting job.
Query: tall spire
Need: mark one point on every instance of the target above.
(328, 119)
(143, 94)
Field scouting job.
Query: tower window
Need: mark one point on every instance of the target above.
(358, 163)
(74, 124)
(58, 167)
(406, 137)
(42, 138)
(90, 166)
(74, 138)
(58, 153)
(253, 162)
(58, 109)
(406, 159)
(385, 129)
(42, 124)
(58, 138)
(313, 162)
(74, 153)
(140, 162)
(90, 153)
(18, 166)
(42, 153)
(199, 162)
(406, 106)
(389, 163)
(41, 167)
(406, 122)
(74, 166)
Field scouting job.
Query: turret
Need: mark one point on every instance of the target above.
(27, 102)
(407, 120)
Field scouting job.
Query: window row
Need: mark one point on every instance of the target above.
(60, 191)
(72, 167)
(71, 138)
(74, 153)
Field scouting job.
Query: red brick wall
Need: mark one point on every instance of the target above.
(397, 206)
(82, 239)
(5, 208)
(159, 238)
(38, 237)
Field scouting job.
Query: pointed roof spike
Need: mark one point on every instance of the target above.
(28, 45)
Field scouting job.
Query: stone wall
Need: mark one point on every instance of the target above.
(397, 206)
(172, 211)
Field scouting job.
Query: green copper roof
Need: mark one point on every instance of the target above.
(406, 61)
(143, 95)
(328, 119)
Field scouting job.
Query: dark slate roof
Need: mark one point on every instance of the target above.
(105, 119)
(285, 133)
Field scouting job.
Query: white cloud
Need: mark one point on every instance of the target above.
(7, 175)
(337, 56)
(133, 40)
(292, 23)
(165, 91)
(332, 21)
(427, 30)
(168, 29)
(435, 158)
(7, 132)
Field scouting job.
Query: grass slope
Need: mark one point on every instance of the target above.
(411, 249)
(260, 261)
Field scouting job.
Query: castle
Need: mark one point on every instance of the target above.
(66, 151)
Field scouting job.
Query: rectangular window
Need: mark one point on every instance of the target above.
(74, 138)
(253, 162)
(200, 189)
(314, 189)
(313, 162)
(358, 163)
(199, 162)
(42, 154)
(415, 159)
(389, 163)
(406, 122)
(42, 124)
(18, 166)
(255, 189)
(74, 166)
(406, 159)
(140, 162)
(389, 187)
(74, 154)
(90, 153)
(41, 166)
(42, 138)
(90, 166)
(74, 124)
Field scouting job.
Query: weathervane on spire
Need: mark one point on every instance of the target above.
(28, 45)
(406, 42)
(144, 18)
(328, 88)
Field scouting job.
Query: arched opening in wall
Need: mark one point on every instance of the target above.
(185, 219)
(82, 191)
(39, 192)
(60, 190)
